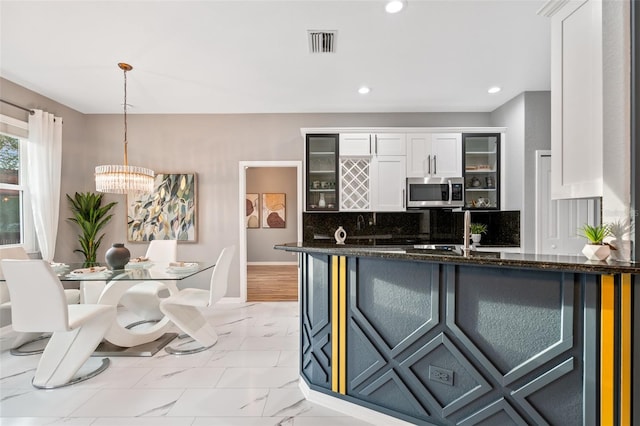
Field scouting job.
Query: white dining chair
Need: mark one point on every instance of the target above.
(22, 340)
(185, 308)
(143, 299)
(76, 329)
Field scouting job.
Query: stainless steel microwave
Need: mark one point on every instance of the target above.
(435, 192)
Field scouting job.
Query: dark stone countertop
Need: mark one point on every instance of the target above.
(489, 258)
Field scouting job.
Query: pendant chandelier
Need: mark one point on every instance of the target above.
(123, 178)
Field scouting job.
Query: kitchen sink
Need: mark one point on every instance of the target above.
(441, 247)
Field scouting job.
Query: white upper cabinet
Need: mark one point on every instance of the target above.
(576, 98)
(369, 144)
(355, 145)
(434, 155)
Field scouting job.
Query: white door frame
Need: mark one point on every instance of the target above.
(243, 165)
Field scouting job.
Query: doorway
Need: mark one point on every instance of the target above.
(557, 221)
(276, 272)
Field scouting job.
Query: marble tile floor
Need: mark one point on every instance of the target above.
(249, 378)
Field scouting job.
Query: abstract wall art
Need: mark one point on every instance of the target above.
(252, 213)
(168, 213)
(273, 210)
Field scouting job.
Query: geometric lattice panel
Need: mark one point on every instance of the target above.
(442, 353)
(539, 310)
(315, 330)
(354, 182)
(497, 413)
(509, 348)
(383, 286)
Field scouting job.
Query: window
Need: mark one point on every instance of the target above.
(11, 190)
(16, 222)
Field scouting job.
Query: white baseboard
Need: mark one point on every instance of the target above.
(347, 408)
(271, 263)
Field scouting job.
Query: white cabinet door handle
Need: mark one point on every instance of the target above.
(435, 164)
(429, 161)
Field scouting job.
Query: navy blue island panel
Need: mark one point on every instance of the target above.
(439, 340)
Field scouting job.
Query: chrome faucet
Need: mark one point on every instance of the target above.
(467, 232)
(360, 223)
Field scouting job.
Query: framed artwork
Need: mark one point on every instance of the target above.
(168, 213)
(252, 212)
(273, 208)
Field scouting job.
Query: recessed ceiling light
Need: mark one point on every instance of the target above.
(364, 90)
(395, 6)
(494, 89)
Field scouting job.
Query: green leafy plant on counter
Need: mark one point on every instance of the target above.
(478, 228)
(595, 234)
(91, 216)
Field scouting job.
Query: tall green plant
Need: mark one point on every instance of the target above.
(91, 216)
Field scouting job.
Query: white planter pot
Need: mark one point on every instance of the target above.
(476, 238)
(623, 252)
(596, 251)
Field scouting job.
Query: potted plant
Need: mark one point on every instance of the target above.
(91, 216)
(477, 229)
(596, 248)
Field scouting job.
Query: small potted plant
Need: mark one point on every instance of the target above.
(596, 248)
(477, 229)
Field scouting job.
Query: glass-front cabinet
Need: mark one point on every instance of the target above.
(481, 161)
(321, 172)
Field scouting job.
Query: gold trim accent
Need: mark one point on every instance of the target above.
(334, 323)
(607, 349)
(625, 349)
(342, 358)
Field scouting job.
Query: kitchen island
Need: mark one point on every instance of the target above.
(439, 337)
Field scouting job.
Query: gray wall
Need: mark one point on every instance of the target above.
(210, 145)
(528, 121)
(260, 241)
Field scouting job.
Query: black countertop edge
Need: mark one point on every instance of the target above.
(511, 260)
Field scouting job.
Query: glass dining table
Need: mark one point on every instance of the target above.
(100, 285)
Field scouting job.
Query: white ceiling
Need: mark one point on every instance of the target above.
(253, 56)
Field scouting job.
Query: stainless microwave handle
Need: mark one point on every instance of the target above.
(450, 190)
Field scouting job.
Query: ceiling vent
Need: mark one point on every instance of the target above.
(322, 41)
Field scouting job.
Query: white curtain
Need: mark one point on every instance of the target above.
(44, 156)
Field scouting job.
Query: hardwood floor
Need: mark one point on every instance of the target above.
(266, 283)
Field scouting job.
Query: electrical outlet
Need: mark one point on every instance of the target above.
(441, 375)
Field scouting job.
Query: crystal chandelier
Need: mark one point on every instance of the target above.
(123, 178)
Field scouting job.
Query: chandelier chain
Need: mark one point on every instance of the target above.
(125, 117)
